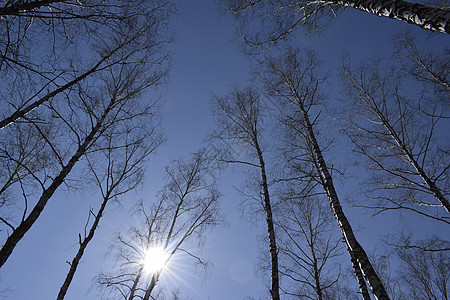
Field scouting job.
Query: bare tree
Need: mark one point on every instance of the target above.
(276, 20)
(307, 246)
(425, 269)
(400, 139)
(239, 117)
(65, 26)
(117, 168)
(425, 66)
(20, 110)
(70, 125)
(77, 30)
(295, 80)
(178, 222)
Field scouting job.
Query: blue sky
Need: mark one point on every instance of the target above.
(207, 62)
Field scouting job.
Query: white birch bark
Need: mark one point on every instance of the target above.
(430, 18)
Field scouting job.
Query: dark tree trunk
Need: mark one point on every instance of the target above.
(28, 6)
(275, 281)
(19, 232)
(135, 283)
(151, 285)
(25, 110)
(82, 248)
(318, 287)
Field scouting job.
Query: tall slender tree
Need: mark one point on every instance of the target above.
(117, 166)
(68, 127)
(239, 116)
(295, 80)
(397, 137)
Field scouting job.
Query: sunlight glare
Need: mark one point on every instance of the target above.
(155, 259)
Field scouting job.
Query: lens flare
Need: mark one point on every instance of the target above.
(155, 259)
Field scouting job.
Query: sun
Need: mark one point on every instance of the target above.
(155, 259)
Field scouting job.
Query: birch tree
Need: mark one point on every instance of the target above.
(239, 116)
(177, 223)
(399, 136)
(296, 81)
(264, 23)
(430, 67)
(66, 26)
(81, 38)
(68, 127)
(306, 246)
(117, 167)
(425, 269)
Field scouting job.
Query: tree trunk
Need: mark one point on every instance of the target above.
(82, 248)
(135, 282)
(23, 111)
(318, 288)
(151, 285)
(355, 250)
(360, 278)
(275, 281)
(28, 6)
(26, 224)
(431, 18)
(410, 157)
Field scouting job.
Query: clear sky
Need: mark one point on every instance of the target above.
(207, 62)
